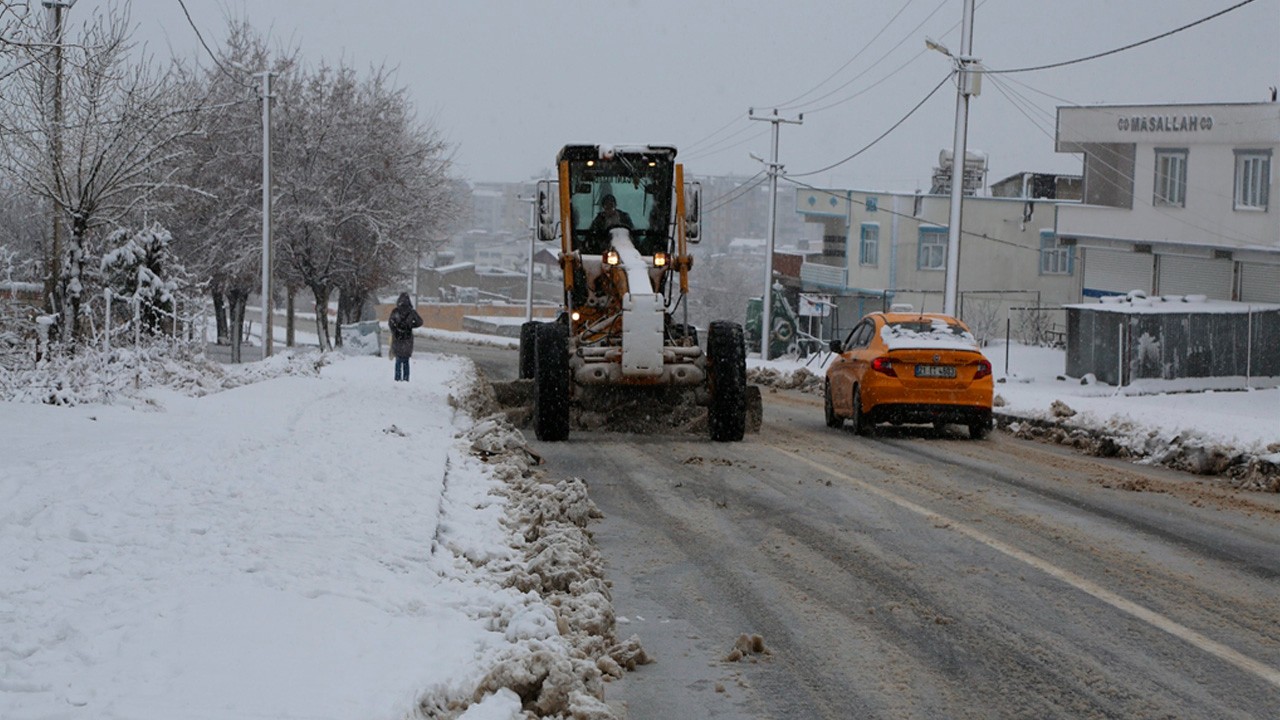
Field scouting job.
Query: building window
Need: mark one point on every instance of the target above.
(1171, 178)
(1054, 258)
(932, 253)
(869, 247)
(1253, 179)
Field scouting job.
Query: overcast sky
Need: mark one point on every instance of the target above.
(508, 83)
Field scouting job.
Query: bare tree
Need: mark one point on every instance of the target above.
(120, 136)
(214, 204)
(362, 183)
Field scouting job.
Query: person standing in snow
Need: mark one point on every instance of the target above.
(401, 322)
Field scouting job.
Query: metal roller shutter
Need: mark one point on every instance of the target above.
(1195, 276)
(1107, 272)
(1259, 283)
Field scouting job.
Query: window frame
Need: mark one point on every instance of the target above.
(936, 237)
(869, 248)
(1055, 259)
(1164, 183)
(1261, 190)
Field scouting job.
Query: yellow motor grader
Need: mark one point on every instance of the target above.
(624, 216)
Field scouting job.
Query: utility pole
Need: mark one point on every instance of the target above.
(268, 326)
(53, 289)
(775, 169)
(968, 82)
(533, 244)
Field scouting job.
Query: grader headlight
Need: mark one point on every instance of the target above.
(611, 257)
(659, 259)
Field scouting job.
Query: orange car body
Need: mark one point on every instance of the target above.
(908, 367)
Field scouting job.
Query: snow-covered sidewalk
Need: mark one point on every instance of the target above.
(325, 544)
(1228, 426)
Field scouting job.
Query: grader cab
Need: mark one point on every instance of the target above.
(624, 217)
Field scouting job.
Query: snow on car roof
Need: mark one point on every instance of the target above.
(926, 332)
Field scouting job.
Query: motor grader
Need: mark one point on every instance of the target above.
(624, 216)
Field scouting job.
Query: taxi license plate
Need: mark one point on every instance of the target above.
(935, 371)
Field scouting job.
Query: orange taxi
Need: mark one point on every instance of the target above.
(909, 367)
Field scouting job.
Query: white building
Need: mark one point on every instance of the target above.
(882, 247)
(1177, 199)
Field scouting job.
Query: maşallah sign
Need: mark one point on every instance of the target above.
(1165, 123)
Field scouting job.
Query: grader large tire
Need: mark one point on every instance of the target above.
(727, 376)
(528, 332)
(551, 382)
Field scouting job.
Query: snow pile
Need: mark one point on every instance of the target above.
(801, 379)
(105, 377)
(1118, 437)
(746, 647)
(564, 646)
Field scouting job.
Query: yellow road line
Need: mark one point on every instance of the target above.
(1213, 647)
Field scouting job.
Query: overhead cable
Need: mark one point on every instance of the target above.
(1130, 46)
(882, 136)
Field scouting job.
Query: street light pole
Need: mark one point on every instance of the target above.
(766, 302)
(966, 85)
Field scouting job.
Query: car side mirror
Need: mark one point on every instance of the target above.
(835, 346)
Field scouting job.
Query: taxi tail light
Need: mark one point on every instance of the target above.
(883, 365)
(984, 369)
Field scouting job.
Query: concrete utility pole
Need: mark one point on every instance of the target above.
(54, 8)
(268, 325)
(775, 169)
(967, 83)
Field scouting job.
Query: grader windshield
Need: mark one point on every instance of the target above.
(628, 188)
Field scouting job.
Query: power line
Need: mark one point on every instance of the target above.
(788, 106)
(216, 62)
(746, 187)
(882, 136)
(870, 87)
(719, 146)
(726, 126)
(1130, 46)
(970, 233)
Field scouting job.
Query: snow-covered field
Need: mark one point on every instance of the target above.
(305, 538)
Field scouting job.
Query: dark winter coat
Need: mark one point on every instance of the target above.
(402, 321)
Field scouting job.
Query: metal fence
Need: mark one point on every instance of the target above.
(1119, 346)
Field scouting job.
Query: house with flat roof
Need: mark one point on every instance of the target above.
(1176, 199)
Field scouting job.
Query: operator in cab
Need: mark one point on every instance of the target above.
(608, 218)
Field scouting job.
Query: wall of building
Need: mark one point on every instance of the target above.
(1129, 240)
(1000, 249)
